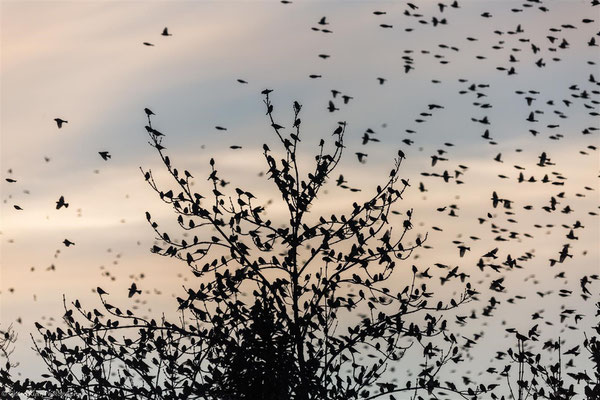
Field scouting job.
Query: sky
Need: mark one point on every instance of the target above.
(86, 62)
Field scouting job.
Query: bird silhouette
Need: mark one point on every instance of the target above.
(100, 291)
(60, 122)
(331, 107)
(132, 290)
(61, 203)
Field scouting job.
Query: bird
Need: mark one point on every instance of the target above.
(100, 291)
(61, 203)
(463, 249)
(323, 21)
(543, 160)
(361, 157)
(60, 122)
(531, 117)
(68, 243)
(133, 290)
(105, 155)
(147, 44)
(165, 32)
(381, 80)
(331, 107)
(10, 180)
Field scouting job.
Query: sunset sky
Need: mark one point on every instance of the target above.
(85, 62)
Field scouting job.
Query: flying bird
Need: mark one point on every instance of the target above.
(133, 290)
(61, 203)
(60, 122)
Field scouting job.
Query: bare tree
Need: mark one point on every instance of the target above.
(530, 373)
(321, 321)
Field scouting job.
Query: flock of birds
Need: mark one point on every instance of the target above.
(539, 121)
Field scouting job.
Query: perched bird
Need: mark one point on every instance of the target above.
(100, 291)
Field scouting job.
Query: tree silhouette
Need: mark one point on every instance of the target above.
(7, 339)
(537, 377)
(302, 311)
